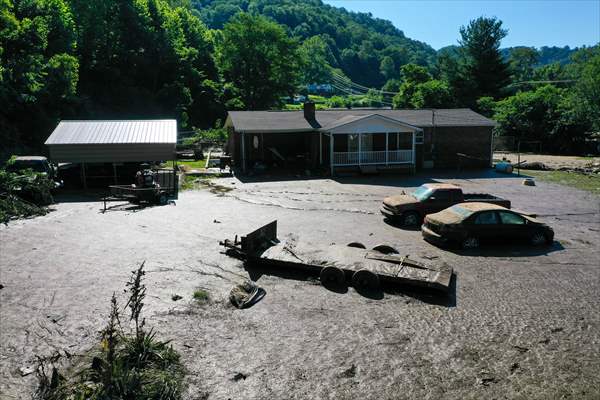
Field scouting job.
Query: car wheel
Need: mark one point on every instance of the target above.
(411, 218)
(470, 242)
(538, 238)
(332, 276)
(365, 280)
(358, 245)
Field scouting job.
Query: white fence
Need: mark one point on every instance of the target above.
(372, 157)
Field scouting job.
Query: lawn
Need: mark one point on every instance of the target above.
(591, 183)
(188, 164)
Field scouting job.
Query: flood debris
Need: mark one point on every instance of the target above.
(26, 370)
(350, 372)
(239, 376)
(23, 195)
(246, 294)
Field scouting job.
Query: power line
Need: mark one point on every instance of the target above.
(345, 80)
(556, 81)
(349, 91)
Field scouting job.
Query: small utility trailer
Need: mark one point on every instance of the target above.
(153, 186)
(336, 264)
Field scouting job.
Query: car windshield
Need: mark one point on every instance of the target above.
(463, 212)
(20, 165)
(421, 193)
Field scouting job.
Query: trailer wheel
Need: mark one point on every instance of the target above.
(358, 245)
(385, 249)
(332, 276)
(365, 280)
(163, 199)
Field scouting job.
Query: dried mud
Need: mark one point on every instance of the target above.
(520, 323)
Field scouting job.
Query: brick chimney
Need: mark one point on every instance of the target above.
(309, 111)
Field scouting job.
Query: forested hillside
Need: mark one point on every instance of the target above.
(368, 50)
(195, 59)
(546, 54)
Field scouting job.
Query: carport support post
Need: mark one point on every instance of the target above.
(320, 149)
(115, 173)
(83, 177)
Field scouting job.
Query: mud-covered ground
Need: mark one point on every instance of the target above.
(519, 323)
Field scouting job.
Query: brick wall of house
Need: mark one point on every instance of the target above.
(472, 141)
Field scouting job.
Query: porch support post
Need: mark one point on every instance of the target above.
(359, 148)
(386, 148)
(243, 137)
(331, 152)
(414, 135)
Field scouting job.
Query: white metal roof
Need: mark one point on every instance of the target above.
(114, 132)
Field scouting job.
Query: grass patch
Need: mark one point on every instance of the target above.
(187, 164)
(195, 183)
(590, 183)
(201, 295)
(127, 365)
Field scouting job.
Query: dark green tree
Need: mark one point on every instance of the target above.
(522, 62)
(259, 60)
(318, 60)
(484, 64)
(479, 70)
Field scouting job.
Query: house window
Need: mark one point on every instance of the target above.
(419, 137)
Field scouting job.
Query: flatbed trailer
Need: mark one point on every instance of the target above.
(338, 264)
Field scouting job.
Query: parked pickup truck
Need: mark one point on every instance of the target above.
(410, 209)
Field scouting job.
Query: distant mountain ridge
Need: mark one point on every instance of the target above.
(548, 54)
(367, 49)
(359, 42)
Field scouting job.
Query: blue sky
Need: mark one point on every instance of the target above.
(530, 22)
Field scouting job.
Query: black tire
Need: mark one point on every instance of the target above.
(385, 249)
(358, 245)
(332, 276)
(411, 218)
(162, 199)
(469, 243)
(538, 238)
(365, 280)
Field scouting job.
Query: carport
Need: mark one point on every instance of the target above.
(112, 141)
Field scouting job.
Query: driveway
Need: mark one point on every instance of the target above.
(519, 323)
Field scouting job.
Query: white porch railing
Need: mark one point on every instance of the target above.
(373, 157)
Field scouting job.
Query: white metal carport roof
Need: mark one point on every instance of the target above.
(113, 141)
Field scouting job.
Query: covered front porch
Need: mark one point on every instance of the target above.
(372, 141)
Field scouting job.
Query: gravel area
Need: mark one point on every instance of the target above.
(520, 323)
(554, 162)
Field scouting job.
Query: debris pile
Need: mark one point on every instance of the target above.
(246, 295)
(24, 195)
